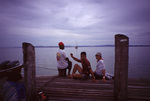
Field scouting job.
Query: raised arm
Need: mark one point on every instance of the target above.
(78, 60)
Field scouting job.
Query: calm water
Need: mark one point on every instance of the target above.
(139, 59)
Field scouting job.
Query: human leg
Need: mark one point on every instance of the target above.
(77, 68)
(62, 72)
(69, 67)
(97, 76)
(59, 72)
(77, 76)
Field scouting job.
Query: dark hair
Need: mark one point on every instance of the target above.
(61, 47)
(83, 53)
(13, 76)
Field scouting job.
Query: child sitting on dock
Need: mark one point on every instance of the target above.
(63, 61)
(85, 70)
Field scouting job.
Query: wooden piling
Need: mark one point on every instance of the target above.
(29, 70)
(121, 67)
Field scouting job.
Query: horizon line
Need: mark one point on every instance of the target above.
(79, 46)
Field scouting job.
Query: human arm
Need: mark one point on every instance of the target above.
(103, 75)
(101, 68)
(93, 77)
(78, 60)
(67, 59)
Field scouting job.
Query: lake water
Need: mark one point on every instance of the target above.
(139, 59)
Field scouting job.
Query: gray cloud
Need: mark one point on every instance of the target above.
(73, 20)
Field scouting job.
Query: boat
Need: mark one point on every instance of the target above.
(76, 47)
(7, 67)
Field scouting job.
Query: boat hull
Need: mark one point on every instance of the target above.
(6, 72)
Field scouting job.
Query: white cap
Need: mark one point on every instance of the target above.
(98, 53)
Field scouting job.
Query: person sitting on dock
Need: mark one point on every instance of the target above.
(13, 90)
(100, 67)
(63, 61)
(85, 70)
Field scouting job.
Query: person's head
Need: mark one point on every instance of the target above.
(98, 55)
(83, 55)
(14, 76)
(61, 45)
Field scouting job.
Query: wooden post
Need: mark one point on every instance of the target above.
(121, 67)
(29, 70)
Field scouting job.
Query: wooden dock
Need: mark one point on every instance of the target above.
(66, 89)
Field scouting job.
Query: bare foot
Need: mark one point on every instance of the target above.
(104, 80)
(70, 76)
(95, 81)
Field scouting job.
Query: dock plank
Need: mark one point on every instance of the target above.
(66, 89)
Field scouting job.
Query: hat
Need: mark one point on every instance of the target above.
(98, 53)
(60, 43)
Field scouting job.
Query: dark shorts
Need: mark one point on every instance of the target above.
(62, 72)
(69, 65)
(100, 77)
(84, 76)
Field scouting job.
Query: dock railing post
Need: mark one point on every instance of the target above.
(29, 70)
(121, 67)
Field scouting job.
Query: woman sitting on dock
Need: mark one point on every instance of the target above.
(100, 67)
(85, 70)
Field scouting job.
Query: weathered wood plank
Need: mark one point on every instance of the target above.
(59, 89)
(70, 88)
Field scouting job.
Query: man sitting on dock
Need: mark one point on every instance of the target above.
(85, 70)
(63, 61)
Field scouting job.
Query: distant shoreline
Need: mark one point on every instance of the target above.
(82, 46)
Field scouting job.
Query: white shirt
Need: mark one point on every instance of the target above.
(61, 59)
(99, 67)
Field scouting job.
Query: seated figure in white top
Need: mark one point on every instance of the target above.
(63, 62)
(100, 67)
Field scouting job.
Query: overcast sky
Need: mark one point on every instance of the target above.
(87, 22)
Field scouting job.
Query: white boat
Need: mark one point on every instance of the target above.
(76, 47)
